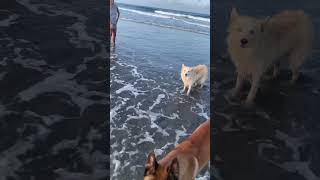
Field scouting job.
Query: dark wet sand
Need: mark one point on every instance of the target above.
(53, 104)
(279, 138)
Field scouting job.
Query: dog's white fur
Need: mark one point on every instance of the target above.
(193, 76)
(268, 40)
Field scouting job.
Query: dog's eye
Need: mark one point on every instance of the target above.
(251, 31)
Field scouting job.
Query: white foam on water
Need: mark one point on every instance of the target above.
(134, 71)
(183, 15)
(145, 13)
(48, 120)
(77, 31)
(197, 24)
(291, 142)
(202, 112)
(228, 126)
(131, 89)
(157, 101)
(114, 110)
(302, 168)
(206, 176)
(27, 62)
(161, 151)
(296, 165)
(9, 21)
(147, 138)
(62, 81)
(141, 108)
(10, 163)
(167, 26)
(179, 134)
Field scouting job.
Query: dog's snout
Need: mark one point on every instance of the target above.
(244, 41)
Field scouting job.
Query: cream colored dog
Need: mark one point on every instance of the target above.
(193, 76)
(256, 44)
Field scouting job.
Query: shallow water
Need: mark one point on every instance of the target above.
(53, 93)
(148, 110)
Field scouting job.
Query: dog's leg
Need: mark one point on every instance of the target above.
(296, 59)
(253, 90)
(239, 84)
(295, 75)
(184, 88)
(203, 80)
(189, 89)
(276, 70)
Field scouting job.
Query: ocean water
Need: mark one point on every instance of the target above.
(53, 92)
(186, 21)
(148, 110)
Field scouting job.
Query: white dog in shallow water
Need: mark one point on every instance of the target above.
(193, 76)
(255, 44)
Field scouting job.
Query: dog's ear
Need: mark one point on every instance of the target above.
(264, 24)
(173, 170)
(151, 165)
(234, 14)
(182, 65)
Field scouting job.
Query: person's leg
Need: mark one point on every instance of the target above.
(110, 30)
(114, 36)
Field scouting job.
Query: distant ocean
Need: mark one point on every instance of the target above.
(187, 21)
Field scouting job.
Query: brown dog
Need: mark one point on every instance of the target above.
(185, 161)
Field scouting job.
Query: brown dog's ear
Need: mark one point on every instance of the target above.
(173, 171)
(151, 165)
(234, 14)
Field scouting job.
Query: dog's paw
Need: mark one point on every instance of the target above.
(268, 77)
(248, 103)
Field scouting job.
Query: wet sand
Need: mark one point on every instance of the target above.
(279, 138)
(148, 110)
(53, 118)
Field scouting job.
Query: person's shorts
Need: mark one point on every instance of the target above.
(113, 26)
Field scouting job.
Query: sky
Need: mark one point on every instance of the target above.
(199, 6)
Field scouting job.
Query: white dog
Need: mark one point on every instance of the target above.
(256, 44)
(193, 76)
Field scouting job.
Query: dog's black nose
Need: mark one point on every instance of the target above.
(244, 41)
(186, 74)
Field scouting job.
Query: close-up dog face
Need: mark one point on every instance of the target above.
(186, 71)
(246, 30)
(154, 171)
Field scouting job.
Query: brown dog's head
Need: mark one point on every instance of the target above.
(154, 171)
